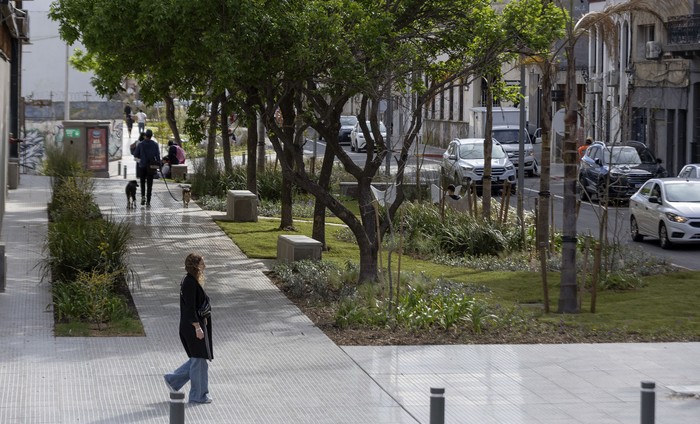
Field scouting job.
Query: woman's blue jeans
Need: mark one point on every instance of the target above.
(195, 370)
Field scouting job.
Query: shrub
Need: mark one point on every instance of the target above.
(89, 298)
(83, 246)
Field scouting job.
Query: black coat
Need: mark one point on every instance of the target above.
(192, 296)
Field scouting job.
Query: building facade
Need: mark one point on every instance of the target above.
(645, 85)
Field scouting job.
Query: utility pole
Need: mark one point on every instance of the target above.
(66, 101)
(521, 151)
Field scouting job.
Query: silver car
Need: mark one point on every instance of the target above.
(463, 162)
(667, 209)
(508, 136)
(690, 171)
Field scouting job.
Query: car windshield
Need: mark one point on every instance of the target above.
(348, 121)
(382, 128)
(506, 136)
(476, 151)
(683, 192)
(622, 156)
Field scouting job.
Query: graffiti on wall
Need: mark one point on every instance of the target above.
(39, 135)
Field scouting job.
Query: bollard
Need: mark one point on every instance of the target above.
(119, 168)
(124, 171)
(648, 402)
(437, 406)
(243, 158)
(177, 408)
(3, 267)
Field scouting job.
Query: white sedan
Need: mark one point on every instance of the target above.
(667, 209)
(690, 171)
(357, 137)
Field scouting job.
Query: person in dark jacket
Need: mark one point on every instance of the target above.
(195, 334)
(148, 153)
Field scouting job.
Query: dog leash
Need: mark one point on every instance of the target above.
(166, 184)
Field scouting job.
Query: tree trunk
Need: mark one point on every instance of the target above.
(260, 130)
(324, 179)
(545, 172)
(488, 153)
(170, 118)
(225, 139)
(210, 168)
(252, 146)
(567, 288)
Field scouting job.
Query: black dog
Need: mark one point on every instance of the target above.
(131, 194)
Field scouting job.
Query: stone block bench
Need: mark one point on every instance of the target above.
(241, 206)
(292, 248)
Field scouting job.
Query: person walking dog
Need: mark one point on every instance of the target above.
(148, 154)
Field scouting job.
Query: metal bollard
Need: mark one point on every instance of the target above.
(3, 267)
(437, 405)
(119, 168)
(177, 408)
(648, 402)
(124, 171)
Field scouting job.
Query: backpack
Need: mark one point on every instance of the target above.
(180, 154)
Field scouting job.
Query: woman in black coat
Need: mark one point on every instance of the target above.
(195, 334)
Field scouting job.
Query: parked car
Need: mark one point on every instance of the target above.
(347, 123)
(649, 161)
(463, 162)
(357, 137)
(666, 208)
(508, 136)
(690, 171)
(611, 172)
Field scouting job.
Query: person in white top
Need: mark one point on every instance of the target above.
(141, 120)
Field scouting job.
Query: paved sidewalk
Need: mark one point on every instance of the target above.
(271, 364)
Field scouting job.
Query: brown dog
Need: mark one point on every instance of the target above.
(186, 195)
(131, 194)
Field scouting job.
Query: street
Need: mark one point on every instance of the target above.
(589, 213)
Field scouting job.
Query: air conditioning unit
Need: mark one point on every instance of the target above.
(595, 86)
(653, 50)
(612, 78)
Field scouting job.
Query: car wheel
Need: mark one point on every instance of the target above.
(664, 242)
(583, 193)
(634, 230)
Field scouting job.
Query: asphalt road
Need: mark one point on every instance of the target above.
(684, 256)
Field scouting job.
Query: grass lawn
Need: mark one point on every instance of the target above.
(667, 306)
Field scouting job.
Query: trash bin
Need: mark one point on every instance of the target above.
(13, 173)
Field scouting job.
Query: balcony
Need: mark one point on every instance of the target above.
(683, 34)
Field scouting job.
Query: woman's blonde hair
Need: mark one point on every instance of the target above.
(194, 265)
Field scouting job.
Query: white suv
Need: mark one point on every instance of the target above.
(463, 162)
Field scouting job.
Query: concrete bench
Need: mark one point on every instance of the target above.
(241, 206)
(292, 248)
(178, 172)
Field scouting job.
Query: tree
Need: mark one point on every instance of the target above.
(568, 302)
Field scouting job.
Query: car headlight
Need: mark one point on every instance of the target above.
(676, 218)
(510, 167)
(467, 167)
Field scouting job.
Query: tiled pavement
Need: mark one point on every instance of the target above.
(271, 364)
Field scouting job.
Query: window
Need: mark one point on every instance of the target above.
(646, 189)
(645, 33)
(656, 191)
